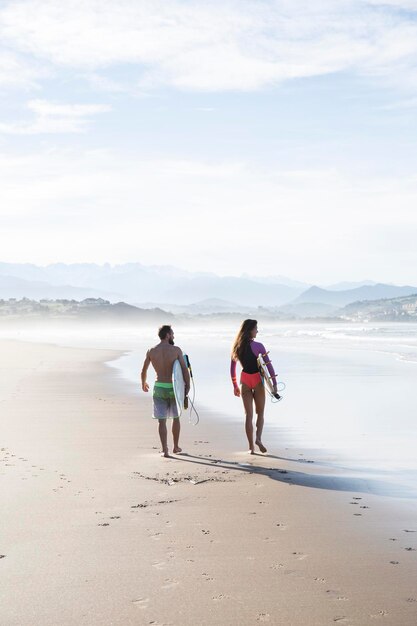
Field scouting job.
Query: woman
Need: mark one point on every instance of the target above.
(246, 350)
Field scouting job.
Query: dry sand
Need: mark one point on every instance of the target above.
(97, 528)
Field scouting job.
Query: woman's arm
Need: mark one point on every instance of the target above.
(233, 377)
(259, 348)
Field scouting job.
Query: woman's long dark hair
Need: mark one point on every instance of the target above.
(242, 339)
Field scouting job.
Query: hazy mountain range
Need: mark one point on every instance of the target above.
(185, 291)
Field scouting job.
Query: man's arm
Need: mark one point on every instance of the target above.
(146, 363)
(185, 372)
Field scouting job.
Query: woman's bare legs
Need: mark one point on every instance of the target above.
(247, 397)
(259, 397)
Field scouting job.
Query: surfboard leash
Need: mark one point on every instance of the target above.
(192, 409)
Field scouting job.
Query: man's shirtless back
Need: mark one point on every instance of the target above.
(163, 357)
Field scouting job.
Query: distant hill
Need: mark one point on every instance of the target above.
(341, 298)
(243, 291)
(203, 307)
(345, 285)
(387, 309)
(94, 310)
(278, 280)
(302, 310)
(187, 292)
(136, 283)
(12, 287)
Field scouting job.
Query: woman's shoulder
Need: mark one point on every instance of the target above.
(258, 347)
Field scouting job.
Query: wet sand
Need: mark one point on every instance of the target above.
(97, 528)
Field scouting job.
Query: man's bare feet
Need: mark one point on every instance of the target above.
(177, 450)
(165, 453)
(260, 446)
(251, 451)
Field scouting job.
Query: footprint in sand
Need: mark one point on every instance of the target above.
(300, 556)
(159, 565)
(293, 572)
(379, 614)
(142, 603)
(169, 583)
(410, 549)
(115, 517)
(105, 524)
(2, 556)
(156, 536)
(277, 566)
(394, 562)
(207, 577)
(220, 597)
(263, 617)
(335, 595)
(205, 532)
(340, 620)
(320, 580)
(411, 600)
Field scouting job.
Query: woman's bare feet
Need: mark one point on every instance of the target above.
(165, 453)
(177, 450)
(260, 446)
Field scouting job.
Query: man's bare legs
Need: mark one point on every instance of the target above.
(176, 427)
(247, 397)
(163, 436)
(259, 397)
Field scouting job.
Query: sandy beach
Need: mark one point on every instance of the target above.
(98, 529)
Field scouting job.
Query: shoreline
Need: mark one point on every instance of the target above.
(99, 529)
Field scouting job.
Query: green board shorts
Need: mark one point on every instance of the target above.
(164, 403)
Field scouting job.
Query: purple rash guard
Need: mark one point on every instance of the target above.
(255, 348)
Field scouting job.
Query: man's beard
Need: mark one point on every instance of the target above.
(171, 341)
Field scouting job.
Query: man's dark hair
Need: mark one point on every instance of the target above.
(164, 331)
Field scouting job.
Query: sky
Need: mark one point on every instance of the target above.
(268, 137)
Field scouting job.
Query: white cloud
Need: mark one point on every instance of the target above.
(218, 45)
(51, 117)
(319, 222)
(16, 71)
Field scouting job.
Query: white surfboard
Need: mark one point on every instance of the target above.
(265, 372)
(179, 386)
(263, 362)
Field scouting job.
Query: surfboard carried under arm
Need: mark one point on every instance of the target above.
(179, 386)
(268, 380)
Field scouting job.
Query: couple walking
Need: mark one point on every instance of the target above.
(245, 350)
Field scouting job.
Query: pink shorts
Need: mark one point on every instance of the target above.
(250, 380)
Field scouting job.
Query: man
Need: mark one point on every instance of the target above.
(162, 357)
